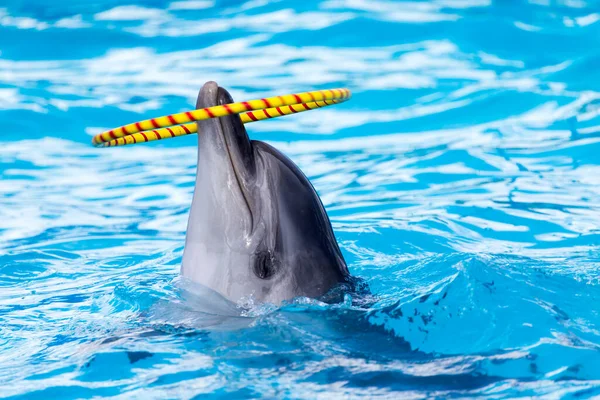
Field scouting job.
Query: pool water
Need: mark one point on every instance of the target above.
(462, 181)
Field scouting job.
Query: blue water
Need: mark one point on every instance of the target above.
(462, 181)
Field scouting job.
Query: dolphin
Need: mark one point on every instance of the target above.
(257, 229)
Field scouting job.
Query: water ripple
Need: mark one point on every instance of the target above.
(460, 181)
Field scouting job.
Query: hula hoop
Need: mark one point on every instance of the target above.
(175, 125)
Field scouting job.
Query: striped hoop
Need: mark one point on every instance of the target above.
(178, 124)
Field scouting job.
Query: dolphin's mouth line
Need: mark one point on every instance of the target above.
(236, 174)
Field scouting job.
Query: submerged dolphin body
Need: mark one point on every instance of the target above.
(256, 228)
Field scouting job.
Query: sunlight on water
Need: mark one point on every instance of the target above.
(461, 181)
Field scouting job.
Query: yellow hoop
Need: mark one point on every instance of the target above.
(177, 124)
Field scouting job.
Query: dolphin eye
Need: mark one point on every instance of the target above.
(264, 265)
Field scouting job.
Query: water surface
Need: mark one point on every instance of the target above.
(462, 181)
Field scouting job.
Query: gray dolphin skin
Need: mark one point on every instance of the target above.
(257, 228)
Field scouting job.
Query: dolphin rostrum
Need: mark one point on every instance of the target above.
(257, 228)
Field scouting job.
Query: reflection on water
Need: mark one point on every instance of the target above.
(460, 181)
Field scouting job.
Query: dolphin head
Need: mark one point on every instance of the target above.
(257, 227)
